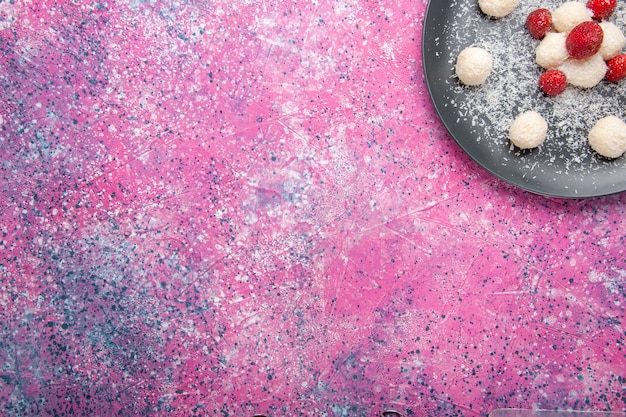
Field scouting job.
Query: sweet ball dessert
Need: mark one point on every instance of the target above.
(528, 130)
(497, 8)
(608, 137)
(570, 14)
(473, 66)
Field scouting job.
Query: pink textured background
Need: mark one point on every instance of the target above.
(221, 208)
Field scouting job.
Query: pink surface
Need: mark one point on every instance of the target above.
(222, 208)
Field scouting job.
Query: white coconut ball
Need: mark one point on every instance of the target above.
(584, 73)
(497, 8)
(608, 137)
(570, 14)
(473, 65)
(613, 41)
(528, 130)
(551, 51)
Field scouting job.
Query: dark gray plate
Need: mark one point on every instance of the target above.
(546, 170)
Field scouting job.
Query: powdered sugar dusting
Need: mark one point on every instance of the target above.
(512, 88)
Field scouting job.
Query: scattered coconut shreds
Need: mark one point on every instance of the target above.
(512, 87)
